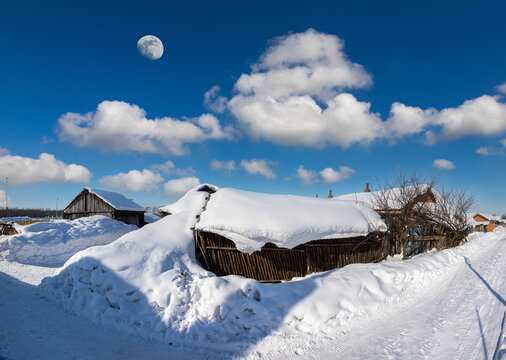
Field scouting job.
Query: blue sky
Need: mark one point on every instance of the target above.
(361, 89)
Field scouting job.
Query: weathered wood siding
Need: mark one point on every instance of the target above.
(273, 264)
(129, 217)
(87, 204)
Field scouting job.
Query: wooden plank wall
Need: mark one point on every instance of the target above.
(273, 264)
(86, 205)
(89, 203)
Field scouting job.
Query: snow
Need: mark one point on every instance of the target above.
(390, 195)
(117, 201)
(144, 296)
(252, 219)
(182, 204)
(473, 222)
(16, 218)
(54, 242)
(150, 218)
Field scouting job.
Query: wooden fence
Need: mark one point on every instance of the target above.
(273, 264)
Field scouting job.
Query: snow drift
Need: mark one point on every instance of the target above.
(54, 242)
(148, 283)
(251, 219)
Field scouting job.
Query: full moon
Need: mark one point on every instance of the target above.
(150, 47)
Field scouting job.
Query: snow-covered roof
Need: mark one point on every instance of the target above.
(489, 218)
(117, 201)
(182, 203)
(390, 195)
(252, 219)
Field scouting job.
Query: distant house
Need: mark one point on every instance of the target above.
(425, 232)
(391, 196)
(91, 202)
(485, 223)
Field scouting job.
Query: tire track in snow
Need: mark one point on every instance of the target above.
(439, 323)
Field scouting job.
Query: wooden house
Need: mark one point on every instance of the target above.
(278, 237)
(91, 202)
(417, 206)
(485, 222)
(419, 194)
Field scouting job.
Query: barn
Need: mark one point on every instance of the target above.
(91, 202)
(278, 237)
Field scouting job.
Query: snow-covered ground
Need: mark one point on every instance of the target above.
(144, 296)
(54, 242)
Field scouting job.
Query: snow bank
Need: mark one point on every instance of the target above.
(52, 243)
(148, 283)
(251, 219)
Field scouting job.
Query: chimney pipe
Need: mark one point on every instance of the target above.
(330, 195)
(367, 188)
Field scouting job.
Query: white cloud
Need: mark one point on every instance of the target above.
(408, 120)
(307, 177)
(294, 96)
(485, 115)
(502, 88)
(308, 63)
(227, 166)
(119, 126)
(325, 176)
(169, 168)
(180, 186)
(299, 120)
(23, 170)
(2, 199)
(215, 102)
(486, 151)
(443, 164)
(329, 175)
(277, 101)
(259, 167)
(3, 151)
(489, 150)
(133, 181)
(166, 167)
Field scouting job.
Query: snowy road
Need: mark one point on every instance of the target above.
(461, 315)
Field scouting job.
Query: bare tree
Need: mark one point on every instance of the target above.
(402, 204)
(451, 210)
(415, 212)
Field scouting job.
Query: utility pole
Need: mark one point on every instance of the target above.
(56, 217)
(6, 201)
